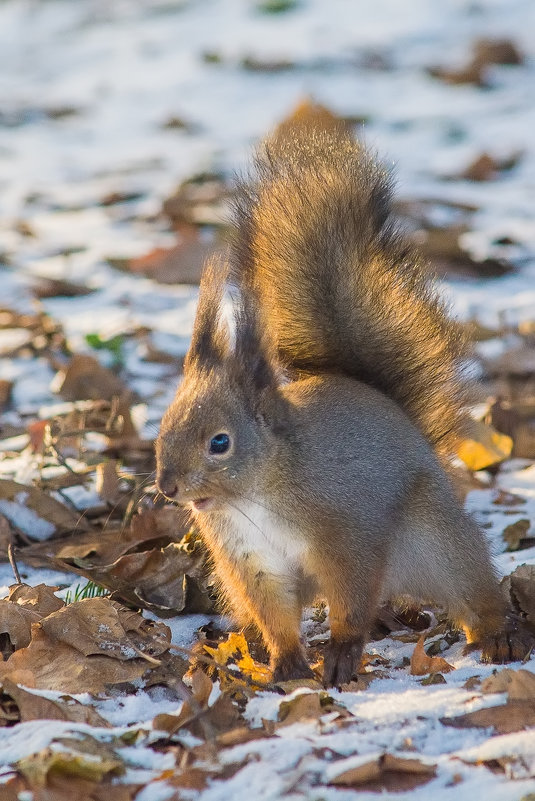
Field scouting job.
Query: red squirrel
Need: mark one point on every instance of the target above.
(320, 400)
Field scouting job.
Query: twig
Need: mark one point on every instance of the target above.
(149, 658)
(13, 563)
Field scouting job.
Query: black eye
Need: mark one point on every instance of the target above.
(220, 443)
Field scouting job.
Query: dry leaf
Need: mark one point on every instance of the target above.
(108, 481)
(515, 418)
(150, 565)
(86, 379)
(37, 707)
(35, 513)
(421, 664)
(236, 651)
(41, 598)
(101, 626)
(6, 536)
(501, 497)
(520, 587)
(504, 719)
(515, 534)
(240, 735)
(5, 393)
(81, 759)
(16, 621)
(308, 115)
(181, 264)
(485, 447)
(386, 772)
(69, 651)
(220, 717)
(518, 684)
(306, 706)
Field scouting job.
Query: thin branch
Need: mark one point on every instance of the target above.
(13, 563)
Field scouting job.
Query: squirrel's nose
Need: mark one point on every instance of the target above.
(167, 484)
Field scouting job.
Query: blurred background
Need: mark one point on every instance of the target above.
(121, 123)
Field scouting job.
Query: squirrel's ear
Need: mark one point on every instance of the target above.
(209, 342)
(254, 350)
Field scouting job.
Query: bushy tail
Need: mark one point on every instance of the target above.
(342, 289)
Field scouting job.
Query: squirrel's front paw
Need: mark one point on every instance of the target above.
(291, 666)
(512, 643)
(342, 661)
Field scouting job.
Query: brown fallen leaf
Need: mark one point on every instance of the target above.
(306, 706)
(518, 684)
(101, 626)
(37, 707)
(151, 528)
(55, 288)
(472, 683)
(82, 758)
(501, 497)
(497, 51)
(153, 564)
(307, 115)
(520, 587)
(6, 536)
(200, 200)
(515, 418)
(239, 735)
(24, 606)
(421, 664)
(69, 652)
(5, 393)
(181, 264)
(516, 534)
(16, 623)
(35, 513)
(41, 598)
(86, 379)
(63, 787)
(485, 53)
(107, 481)
(504, 719)
(386, 772)
(486, 167)
(198, 717)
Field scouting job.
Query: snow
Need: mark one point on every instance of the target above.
(129, 67)
(26, 519)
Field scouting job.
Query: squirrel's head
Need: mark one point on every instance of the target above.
(217, 436)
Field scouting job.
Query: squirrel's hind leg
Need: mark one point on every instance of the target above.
(444, 557)
(353, 592)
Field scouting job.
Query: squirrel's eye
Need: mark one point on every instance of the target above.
(220, 443)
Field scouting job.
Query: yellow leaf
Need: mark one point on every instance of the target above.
(486, 447)
(236, 652)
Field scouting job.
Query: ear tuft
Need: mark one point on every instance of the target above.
(227, 318)
(208, 343)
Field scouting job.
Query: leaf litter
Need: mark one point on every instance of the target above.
(127, 713)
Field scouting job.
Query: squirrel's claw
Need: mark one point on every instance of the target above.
(292, 666)
(341, 661)
(515, 642)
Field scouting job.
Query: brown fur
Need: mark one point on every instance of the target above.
(331, 486)
(343, 290)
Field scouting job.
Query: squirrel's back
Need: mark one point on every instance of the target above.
(341, 288)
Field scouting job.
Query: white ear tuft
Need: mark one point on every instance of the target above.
(226, 316)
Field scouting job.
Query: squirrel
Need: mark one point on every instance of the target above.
(321, 396)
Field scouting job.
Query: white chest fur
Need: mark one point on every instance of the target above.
(250, 530)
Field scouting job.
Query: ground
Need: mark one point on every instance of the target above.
(104, 110)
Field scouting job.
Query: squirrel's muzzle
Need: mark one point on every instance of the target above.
(167, 484)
